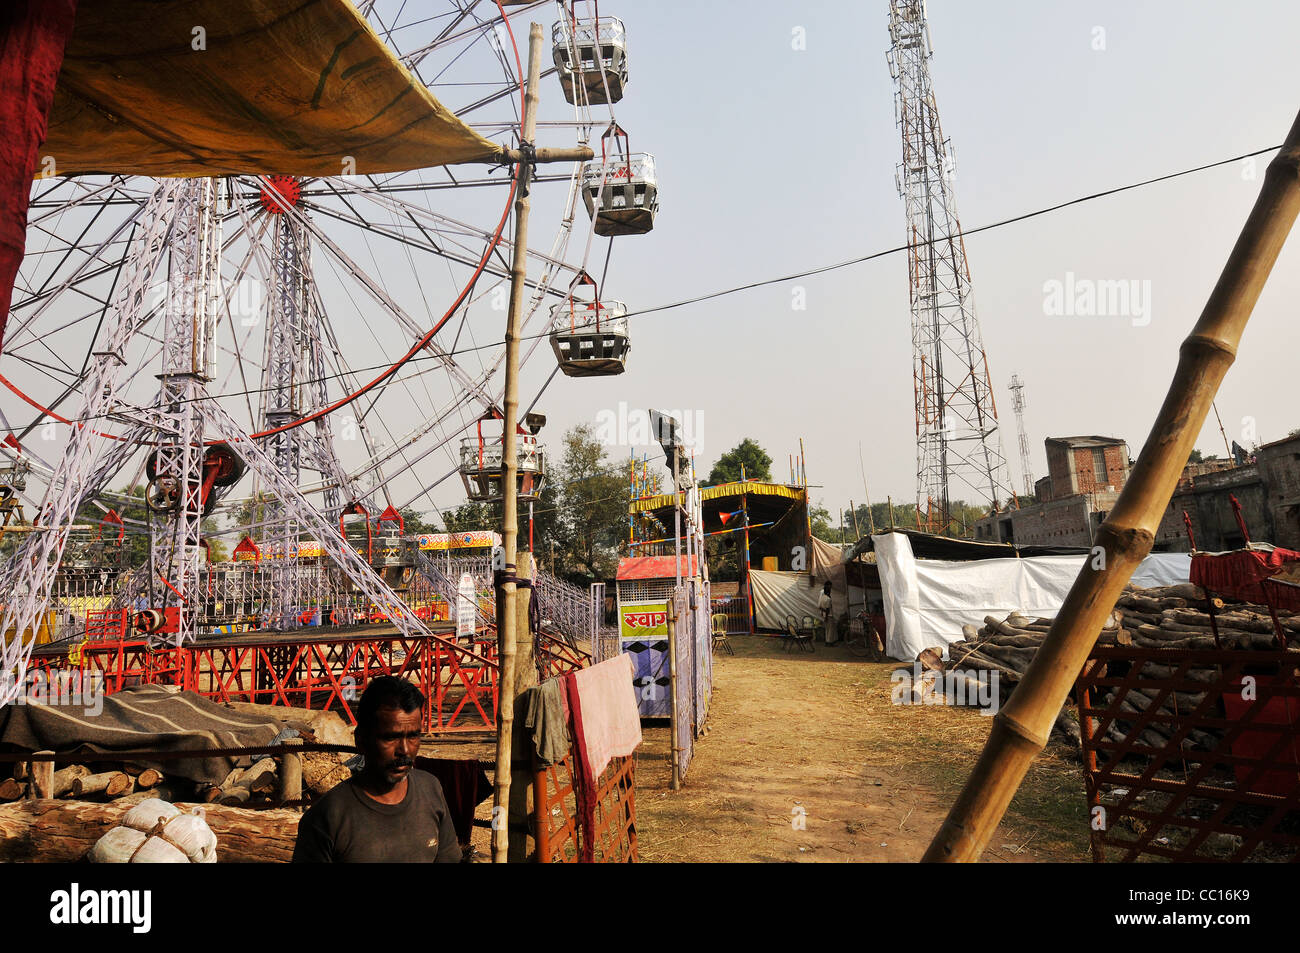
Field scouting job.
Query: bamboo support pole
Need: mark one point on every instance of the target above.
(510, 524)
(675, 753)
(521, 764)
(1021, 727)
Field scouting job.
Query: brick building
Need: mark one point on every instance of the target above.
(1085, 475)
(1074, 501)
(1267, 490)
(1085, 465)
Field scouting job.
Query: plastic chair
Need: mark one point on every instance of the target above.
(800, 638)
(719, 626)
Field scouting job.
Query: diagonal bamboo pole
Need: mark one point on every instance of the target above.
(1021, 728)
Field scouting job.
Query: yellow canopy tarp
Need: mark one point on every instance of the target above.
(648, 504)
(210, 87)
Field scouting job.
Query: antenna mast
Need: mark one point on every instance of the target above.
(958, 449)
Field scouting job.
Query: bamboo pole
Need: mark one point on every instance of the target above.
(1021, 727)
(675, 753)
(510, 523)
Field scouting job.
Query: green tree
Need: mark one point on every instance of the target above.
(592, 508)
(135, 517)
(414, 523)
(1196, 456)
(757, 464)
(470, 516)
(824, 527)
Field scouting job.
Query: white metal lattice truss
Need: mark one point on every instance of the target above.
(1018, 404)
(28, 576)
(176, 468)
(959, 447)
(357, 269)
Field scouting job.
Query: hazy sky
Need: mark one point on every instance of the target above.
(774, 130)
(773, 160)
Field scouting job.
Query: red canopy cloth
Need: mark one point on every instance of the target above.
(1244, 575)
(33, 34)
(654, 567)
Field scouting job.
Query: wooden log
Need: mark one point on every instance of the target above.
(977, 660)
(42, 778)
(1011, 641)
(163, 792)
(64, 778)
(969, 632)
(63, 831)
(1191, 642)
(1134, 617)
(291, 773)
(11, 789)
(1018, 659)
(108, 783)
(148, 778)
(260, 777)
(931, 659)
(1204, 675)
(1187, 701)
(1148, 604)
(1242, 621)
(1067, 724)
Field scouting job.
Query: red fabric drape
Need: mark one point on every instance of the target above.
(1242, 574)
(33, 34)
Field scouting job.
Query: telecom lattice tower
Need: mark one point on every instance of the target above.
(1018, 402)
(958, 449)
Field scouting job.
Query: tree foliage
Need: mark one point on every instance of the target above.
(591, 516)
(747, 454)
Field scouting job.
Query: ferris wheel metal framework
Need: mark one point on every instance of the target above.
(195, 449)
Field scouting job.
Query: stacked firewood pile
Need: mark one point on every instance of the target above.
(251, 783)
(1179, 617)
(102, 782)
(1166, 617)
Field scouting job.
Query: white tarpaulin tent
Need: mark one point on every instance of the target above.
(928, 601)
(778, 594)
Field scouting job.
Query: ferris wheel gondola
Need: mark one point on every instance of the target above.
(621, 191)
(591, 56)
(482, 460)
(589, 338)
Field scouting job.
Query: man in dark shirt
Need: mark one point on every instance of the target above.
(390, 812)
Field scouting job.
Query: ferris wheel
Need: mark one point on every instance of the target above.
(287, 352)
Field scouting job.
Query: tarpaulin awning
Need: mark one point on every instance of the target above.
(934, 546)
(208, 87)
(650, 504)
(654, 567)
(928, 601)
(146, 718)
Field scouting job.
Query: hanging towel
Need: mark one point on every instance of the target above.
(611, 723)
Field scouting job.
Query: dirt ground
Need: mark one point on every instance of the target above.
(812, 741)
